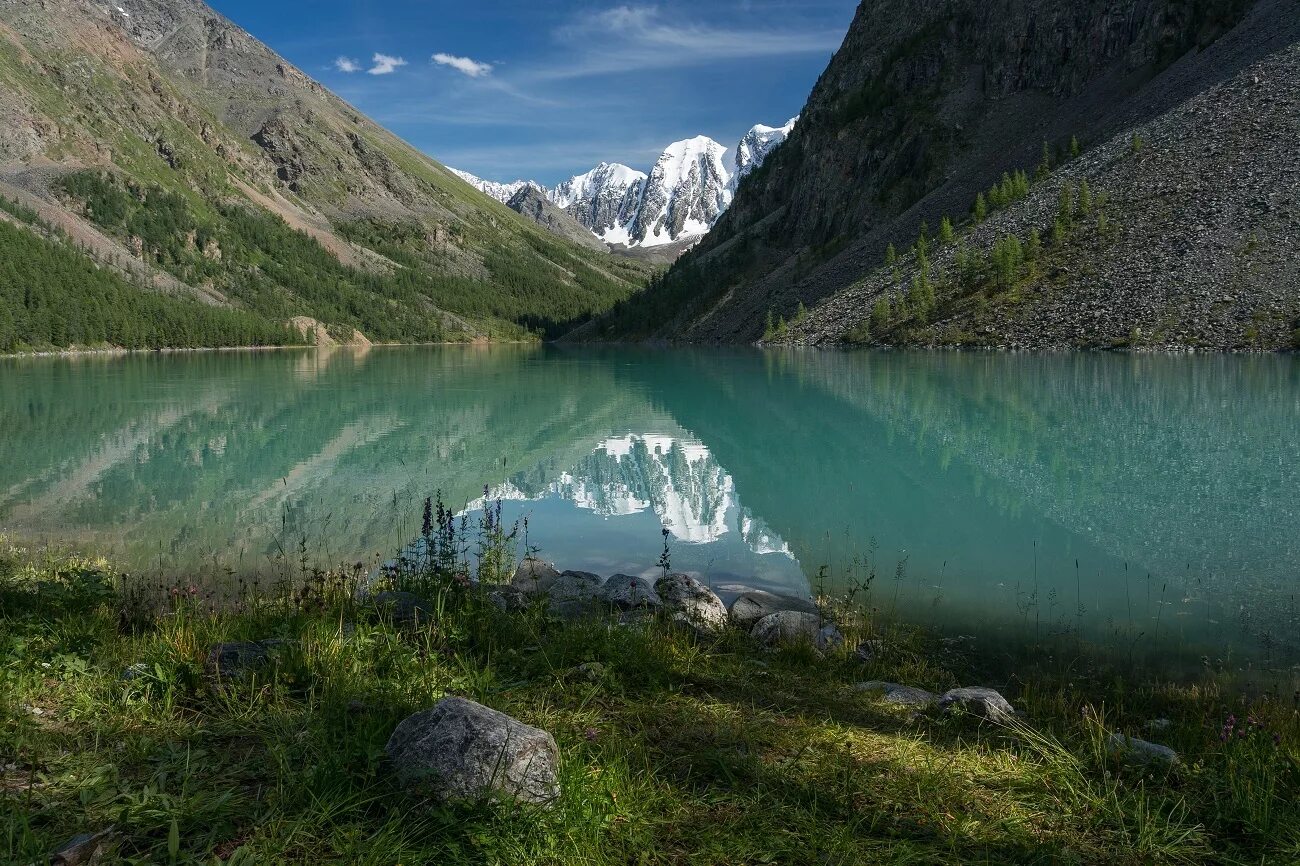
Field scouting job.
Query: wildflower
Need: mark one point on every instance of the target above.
(590, 734)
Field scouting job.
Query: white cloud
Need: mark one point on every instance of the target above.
(472, 68)
(346, 64)
(384, 64)
(634, 37)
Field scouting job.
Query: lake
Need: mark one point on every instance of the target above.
(1144, 499)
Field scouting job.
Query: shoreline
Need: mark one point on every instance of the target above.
(885, 745)
(115, 352)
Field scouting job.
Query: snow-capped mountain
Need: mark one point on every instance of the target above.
(502, 192)
(756, 145)
(689, 187)
(604, 199)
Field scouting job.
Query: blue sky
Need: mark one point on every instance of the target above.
(546, 89)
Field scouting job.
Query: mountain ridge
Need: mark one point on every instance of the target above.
(927, 105)
(171, 147)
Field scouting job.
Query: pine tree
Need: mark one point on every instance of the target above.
(1074, 147)
(945, 231)
(801, 313)
(981, 210)
(1045, 164)
(1034, 249)
(891, 256)
(770, 331)
(1065, 210)
(1085, 198)
(880, 315)
(1059, 233)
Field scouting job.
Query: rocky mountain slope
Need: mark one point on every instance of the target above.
(159, 141)
(1176, 114)
(661, 214)
(531, 202)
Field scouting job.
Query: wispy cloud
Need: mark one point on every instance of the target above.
(346, 64)
(385, 64)
(472, 68)
(629, 38)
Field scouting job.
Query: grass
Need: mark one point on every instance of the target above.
(676, 751)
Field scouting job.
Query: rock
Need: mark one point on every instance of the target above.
(1140, 752)
(794, 626)
(460, 750)
(403, 608)
(626, 592)
(534, 576)
(508, 599)
(978, 701)
(750, 607)
(685, 624)
(591, 671)
(227, 661)
(137, 671)
(684, 594)
(868, 650)
(574, 594)
(82, 850)
(905, 696)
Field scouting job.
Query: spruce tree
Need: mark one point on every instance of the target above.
(891, 256)
(1085, 198)
(945, 231)
(1074, 147)
(981, 210)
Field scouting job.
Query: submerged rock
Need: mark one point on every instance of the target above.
(905, 696)
(683, 594)
(626, 592)
(1141, 752)
(534, 576)
(978, 701)
(750, 607)
(794, 626)
(461, 750)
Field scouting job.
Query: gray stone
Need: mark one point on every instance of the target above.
(236, 660)
(750, 607)
(1141, 752)
(137, 671)
(796, 626)
(626, 592)
(869, 650)
(83, 850)
(905, 696)
(460, 750)
(574, 594)
(403, 608)
(534, 576)
(683, 594)
(508, 599)
(978, 701)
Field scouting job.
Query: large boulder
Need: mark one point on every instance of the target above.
(903, 696)
(978, 701)
(625, 592)
(403, 608)
(683, 594)
(507, 599)
(534, 576)
(574, 594)
(1141, 752)
(750, 607)
(796, 626)
(460, 750)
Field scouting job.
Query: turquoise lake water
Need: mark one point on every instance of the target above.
(1133, 498)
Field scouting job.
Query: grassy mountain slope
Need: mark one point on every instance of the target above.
(172, 147)
(926, 105)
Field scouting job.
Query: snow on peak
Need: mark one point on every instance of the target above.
(757, 144)
(502, 192)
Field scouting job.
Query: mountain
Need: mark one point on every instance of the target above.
(755, 147)
(1114, 174)
(502, 192)
(660, 215)
(532, 203)
(605, 199)
(158, 159)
